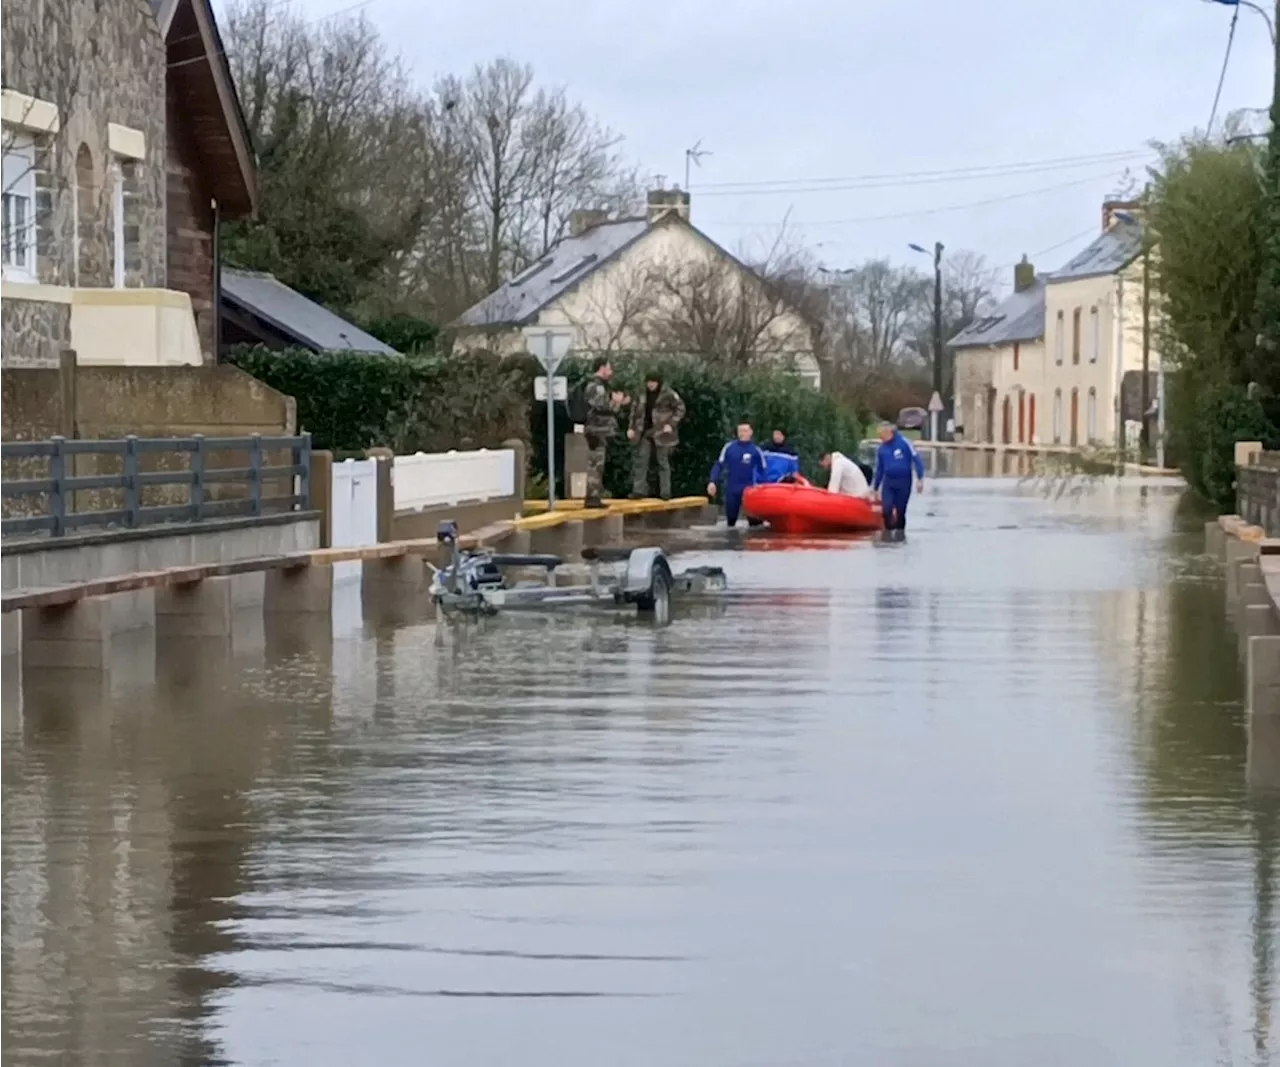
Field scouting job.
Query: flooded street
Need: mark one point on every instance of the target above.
(975, 798)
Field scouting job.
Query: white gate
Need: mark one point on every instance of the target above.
(354, 511)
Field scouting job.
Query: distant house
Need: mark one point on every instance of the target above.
(123, 142)
(259, 309)
(1054, 361)
(620, 283)
(991, 401)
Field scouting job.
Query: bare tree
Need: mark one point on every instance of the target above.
(620, 305)
(870, 315)
(724, 310)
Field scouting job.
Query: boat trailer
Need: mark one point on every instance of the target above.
(476, 582)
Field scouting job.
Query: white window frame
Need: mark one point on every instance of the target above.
(117, 223)
(1095, 334)
(19, 189)
(1060, 339)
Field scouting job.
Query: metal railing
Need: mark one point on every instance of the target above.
(213, 491)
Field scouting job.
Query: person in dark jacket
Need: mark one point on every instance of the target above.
(779, 443)
(741, 463)
(896, 462)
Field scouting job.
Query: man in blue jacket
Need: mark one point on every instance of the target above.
(742, 465)
(896, 462)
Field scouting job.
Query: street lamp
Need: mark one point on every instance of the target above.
(1252, 7)
(937, 330)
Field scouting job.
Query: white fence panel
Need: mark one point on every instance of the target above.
(354, 510)
(426, 480)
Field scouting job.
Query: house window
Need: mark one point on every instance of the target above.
(19, 217)
(1057, 412)
(1075, 336)
(1091, 416)
(1095, 334)
(1016, 355)
(1059, 340)
(117, 225)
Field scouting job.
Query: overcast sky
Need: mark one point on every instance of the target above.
(798, 90)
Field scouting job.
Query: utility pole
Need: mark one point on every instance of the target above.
(937, 333)
(1144, 437)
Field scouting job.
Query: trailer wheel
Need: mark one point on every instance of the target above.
(656, 600)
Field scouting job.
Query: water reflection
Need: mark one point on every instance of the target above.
(984, 796)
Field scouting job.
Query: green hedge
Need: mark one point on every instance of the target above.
(350, 401)
(717, 399)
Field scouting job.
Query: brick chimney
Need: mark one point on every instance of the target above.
(664, 202)
(585, 219)
(1024, 275)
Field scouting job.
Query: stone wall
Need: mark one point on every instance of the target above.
(190, 252)
(1258, 492)
(98, 64)
(973, 371)
(34, 332)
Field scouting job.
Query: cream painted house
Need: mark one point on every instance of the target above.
(649, 284)
(1063, 385)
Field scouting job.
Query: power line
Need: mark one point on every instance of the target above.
(937, 210)
(1222, 76)
(976, 171)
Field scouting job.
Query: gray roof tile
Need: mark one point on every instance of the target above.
(291, 313)
(1019, 317)
(574, 258)
(1105, 254)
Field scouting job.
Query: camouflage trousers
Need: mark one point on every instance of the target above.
(595, 465)
(640, 473)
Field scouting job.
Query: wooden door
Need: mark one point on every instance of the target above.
(1006, 421)
(1022, 418)
(1031, 420)
(1075, 417)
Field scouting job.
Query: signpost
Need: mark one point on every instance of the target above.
(550, 345)
(559, 387)
(936, 407)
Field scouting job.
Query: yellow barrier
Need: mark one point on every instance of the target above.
(548, 519)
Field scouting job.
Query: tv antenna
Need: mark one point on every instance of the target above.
(693, 158)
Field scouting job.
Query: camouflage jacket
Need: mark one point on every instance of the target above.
(602, 417)
(668, 410)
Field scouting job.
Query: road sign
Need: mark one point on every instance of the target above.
(559, 387)
(936, 404)
(549, 344)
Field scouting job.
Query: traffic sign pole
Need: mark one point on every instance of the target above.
(550, 346)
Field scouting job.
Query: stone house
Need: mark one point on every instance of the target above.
(123, 143)
(619, 283)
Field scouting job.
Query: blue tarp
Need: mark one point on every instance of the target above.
(778, 464)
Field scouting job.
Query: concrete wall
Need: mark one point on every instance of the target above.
(113, 402)
(1258, 492)
(104, 555)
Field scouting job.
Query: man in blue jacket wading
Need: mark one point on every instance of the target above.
(896, 462)
(742, 464)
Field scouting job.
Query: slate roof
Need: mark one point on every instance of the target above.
(1019, 317)
(574, 258)
(1107, 253)
(294, 315)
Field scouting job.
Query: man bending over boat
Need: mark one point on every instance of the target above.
(742, 464)
(896, 462)
(847, 477)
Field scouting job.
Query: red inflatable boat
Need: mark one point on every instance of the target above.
(799, 507)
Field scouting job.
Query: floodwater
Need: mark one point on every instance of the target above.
(976, 798)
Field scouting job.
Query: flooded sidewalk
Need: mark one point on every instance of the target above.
(974, 798)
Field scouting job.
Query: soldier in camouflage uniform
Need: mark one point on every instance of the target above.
(601, 425)
(655, 422)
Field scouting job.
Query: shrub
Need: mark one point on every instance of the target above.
(716, 399)
(350, 401)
